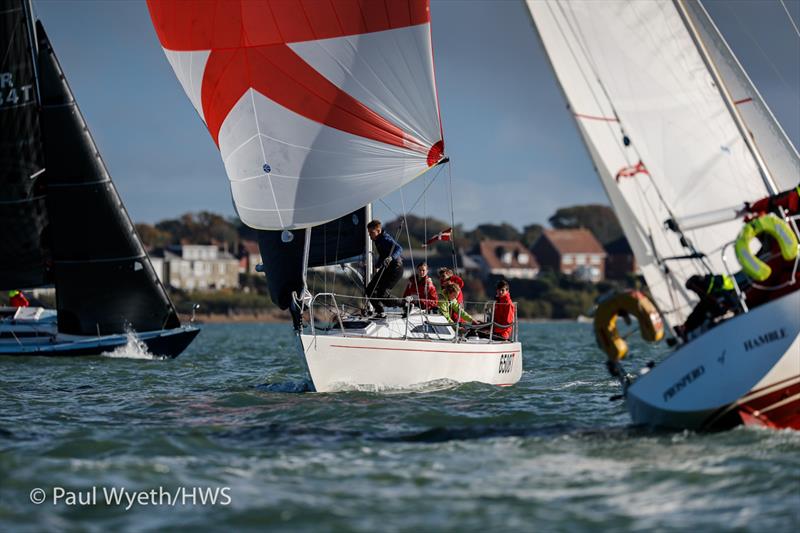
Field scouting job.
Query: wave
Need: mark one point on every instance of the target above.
(134, 348)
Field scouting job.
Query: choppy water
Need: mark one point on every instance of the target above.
(550, 454)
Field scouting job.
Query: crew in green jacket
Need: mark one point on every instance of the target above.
(450, 307)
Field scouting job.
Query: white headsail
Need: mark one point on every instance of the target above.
(659, 132)
(318, 108)
(778, 151)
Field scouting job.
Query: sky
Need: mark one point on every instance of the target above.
(515, 152)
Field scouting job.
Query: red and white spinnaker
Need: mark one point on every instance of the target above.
(318, 107)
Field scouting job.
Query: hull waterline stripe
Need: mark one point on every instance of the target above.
(771, 385)
(426, 351)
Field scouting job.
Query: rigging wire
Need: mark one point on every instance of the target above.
(791, 20)
(452, 217)
(761, 50)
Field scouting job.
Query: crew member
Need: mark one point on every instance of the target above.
(451, 307)
(717, 297)
(503, 315)
(17, 299)
(422, 288)
(447, 276)
(388, 269)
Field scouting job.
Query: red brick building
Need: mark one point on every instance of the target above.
(571, 251)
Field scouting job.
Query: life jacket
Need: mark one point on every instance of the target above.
(503, 314)
(19, 300)
(424, 290)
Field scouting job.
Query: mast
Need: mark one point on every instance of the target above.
(766, 176)
(367, 248)
(27, 6)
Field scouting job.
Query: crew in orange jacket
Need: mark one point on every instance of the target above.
(503, 310)
(421, 286)
(17, 299)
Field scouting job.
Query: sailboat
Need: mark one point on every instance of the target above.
(319, 110)
(63, 222)
(681, 140)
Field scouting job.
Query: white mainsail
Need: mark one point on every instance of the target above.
(659, 133)
(317, 108)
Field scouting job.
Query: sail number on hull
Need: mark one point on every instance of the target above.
(506, 362)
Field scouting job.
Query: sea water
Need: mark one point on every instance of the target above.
(227, 436)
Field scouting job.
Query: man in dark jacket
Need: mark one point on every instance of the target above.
(388, 269)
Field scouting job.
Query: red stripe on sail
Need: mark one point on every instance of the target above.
(248, 40)
(631, 171)
(594, 117)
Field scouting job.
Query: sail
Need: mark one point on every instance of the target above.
(659, 133)
(23, 216)
(339, 241)
(777, 150)
(318, 108)
(104, 280)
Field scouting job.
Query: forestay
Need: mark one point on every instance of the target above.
(778, 151)
(318, 108)
(657, 129)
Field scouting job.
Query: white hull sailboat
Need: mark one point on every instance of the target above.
(405, 352)
(681, 141)
(315, 120)
(747, 369)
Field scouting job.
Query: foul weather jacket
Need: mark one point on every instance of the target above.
(424, 290)
(454, 311)
(503, 314)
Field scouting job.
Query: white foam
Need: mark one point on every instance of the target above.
(133, 349)
(430, 386)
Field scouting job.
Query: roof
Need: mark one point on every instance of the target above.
(573, 241)
(493, 252)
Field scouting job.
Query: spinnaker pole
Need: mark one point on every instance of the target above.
(367, 248)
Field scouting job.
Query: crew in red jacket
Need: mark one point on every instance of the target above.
(17, 299)
(422, 288)
(503, 311)
(446, 276)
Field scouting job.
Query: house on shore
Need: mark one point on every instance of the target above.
(507, 259)
(196, 267)
(573, 252)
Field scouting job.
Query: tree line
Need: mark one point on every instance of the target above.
(211, 228)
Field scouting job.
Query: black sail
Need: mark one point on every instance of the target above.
(339, 241)
(23, 216)
(104, 279)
